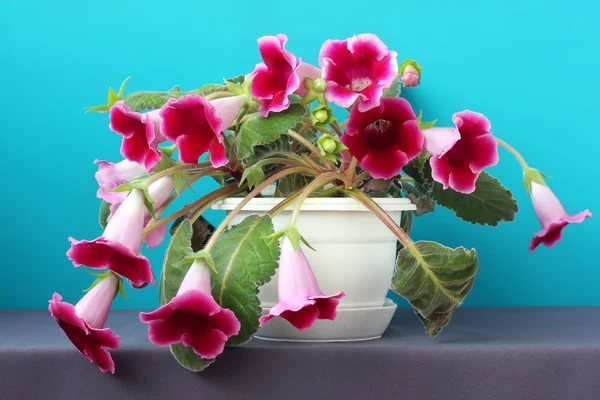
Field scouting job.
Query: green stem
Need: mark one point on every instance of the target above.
(406, 179)
(285, 203)
(351, 170)
(202, 208)
(311, 148)
(310, 162)
(514, 152)
(334, 125)
(250, 196)
(225, 190)
(167, 172)
(386, 219)
(318, 182)
(284, 161)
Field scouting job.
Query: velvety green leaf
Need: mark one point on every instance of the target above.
(202, 230)
(489, 204)
(173, 272)
(170, 280)
(258, 130)
(244, 261)
(104, 213)
(276, 148)
(146, 100)
(395, 89)
(238, 79)
(208, 89)
(290, 184)
(186, 357)
(424, 203)
(436, 282)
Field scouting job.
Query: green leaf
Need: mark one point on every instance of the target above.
(113, 96)
(424, 203)
(179, 179)
(186, 357)
(259, 130)
(291, 183)
(173, 271)
(208, 89)
(436, 282)
(254, 175)
(235, 89)
(277, 147)
(104, 213)
(489, 204)
(425, 125)
(147, 100)
(202, 230)
(395, 89)
(244, 261)
(122, 88)
(236, 80)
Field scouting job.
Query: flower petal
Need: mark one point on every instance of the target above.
(101, 253)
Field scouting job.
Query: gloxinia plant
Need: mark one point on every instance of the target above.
(278, 126)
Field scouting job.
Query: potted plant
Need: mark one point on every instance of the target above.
(335, 232)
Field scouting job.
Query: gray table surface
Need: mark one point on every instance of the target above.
(484, 354)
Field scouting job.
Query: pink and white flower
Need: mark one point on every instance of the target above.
(111, 175)
(300, 301)
(358, 68)
(84, 323)
(118, 247)
(551, 215)
(141, 134)
(458, 155)
(193, 317)
(279, 75)
(197, 126)
(385, 138)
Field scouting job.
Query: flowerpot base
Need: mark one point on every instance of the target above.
(350, 325)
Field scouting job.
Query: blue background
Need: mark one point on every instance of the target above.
(531, 67)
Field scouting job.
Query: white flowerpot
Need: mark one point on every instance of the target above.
(355, 253)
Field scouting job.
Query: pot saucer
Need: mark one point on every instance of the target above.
(350, 325)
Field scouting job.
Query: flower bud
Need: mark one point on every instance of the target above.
(410, 73)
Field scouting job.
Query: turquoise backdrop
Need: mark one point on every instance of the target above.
(530, 66)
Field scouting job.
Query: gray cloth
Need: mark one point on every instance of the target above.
(484, 354)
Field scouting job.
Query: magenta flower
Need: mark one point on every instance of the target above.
(141, 134)
(458, 155)
(84, 323)
(385, 138)
(193, 317)
(196, 125)
(111, 175)
(118, 247)
(280, 75)
(301, 301)
(358, 68)
(552, 216)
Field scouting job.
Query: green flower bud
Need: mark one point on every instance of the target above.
(328, 144)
